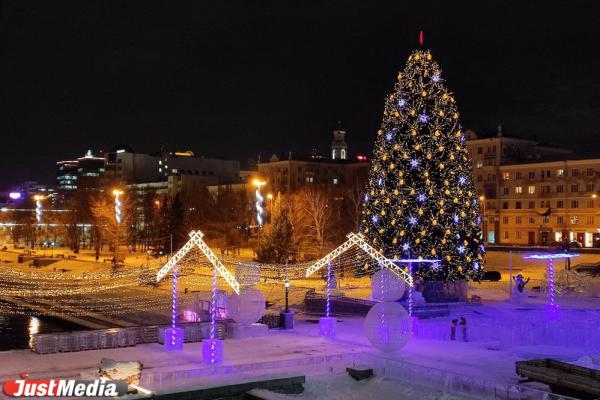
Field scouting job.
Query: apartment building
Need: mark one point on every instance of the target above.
(547, 202)
(532, 194)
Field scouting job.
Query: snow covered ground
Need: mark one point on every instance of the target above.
(433, 364)
(343, 387)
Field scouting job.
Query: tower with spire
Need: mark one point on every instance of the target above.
(339, 147)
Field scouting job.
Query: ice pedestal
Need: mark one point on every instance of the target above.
(245, 331)
(212, 351)
(414, 321)
(173, 338)
(552, 312)
(327, 326)
(287, 320)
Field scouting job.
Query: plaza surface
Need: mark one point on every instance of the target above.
(300, 351)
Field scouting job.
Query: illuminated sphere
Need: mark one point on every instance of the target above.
(388, 326)
(386, 286)
(246, 307)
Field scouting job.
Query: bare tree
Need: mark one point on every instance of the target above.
(103, 212)
(316, 211)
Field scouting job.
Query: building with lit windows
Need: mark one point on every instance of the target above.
(290, 174)
(84, 173)
(128, 167)
(534, 195)
(547, 202)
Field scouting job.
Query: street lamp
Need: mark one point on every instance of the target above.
(118, 218)
(287, 289)
(259, 203)
(484, 225)
(39, 212)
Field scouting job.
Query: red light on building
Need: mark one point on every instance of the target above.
(361, 157)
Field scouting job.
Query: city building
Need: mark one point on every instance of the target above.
(292, 174)
(84, 173)
(546, 202)
(124, 166)
(534, 195)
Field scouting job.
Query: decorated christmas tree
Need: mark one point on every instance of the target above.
(420, 201)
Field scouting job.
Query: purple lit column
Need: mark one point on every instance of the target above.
(327, 323)
(552, 309)
(174, 335)
(212, 349)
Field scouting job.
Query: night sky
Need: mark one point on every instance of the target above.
(238, 78)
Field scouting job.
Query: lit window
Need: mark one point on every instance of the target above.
(560, 172)
(343, 154)
(574, 220)
(335, 181)
(479, 164)
(531, 189)
(519, 189)
(506, 176)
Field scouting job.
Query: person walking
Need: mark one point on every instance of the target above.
(453, 329)
(463, 325)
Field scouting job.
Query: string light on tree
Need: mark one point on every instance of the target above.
(420, 188)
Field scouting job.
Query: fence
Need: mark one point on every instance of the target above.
(576, 329)
(46, 343)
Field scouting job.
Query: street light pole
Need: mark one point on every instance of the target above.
(259, 204)
(484, 225)
(287, 288)
(118, 217)
(39, 212)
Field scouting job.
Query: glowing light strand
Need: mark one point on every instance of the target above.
(38, 210)
(358, 240)
(328, 290)
(550, 267)
(259, 208)
(213, 316)
(196, 240)
(174, 305)
(118, 212)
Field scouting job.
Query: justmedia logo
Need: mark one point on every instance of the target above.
(63, 387)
